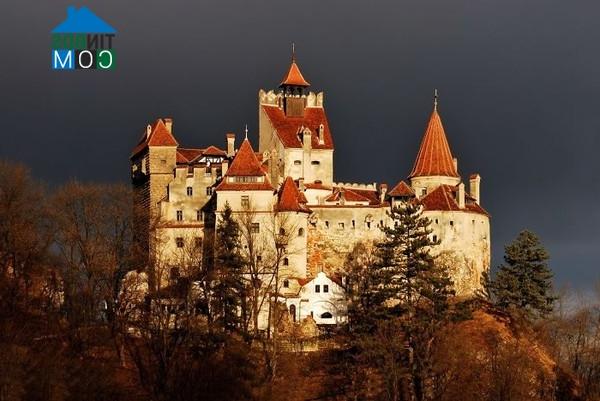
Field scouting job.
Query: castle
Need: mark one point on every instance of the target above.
(286, 187)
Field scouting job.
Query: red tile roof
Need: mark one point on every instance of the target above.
(401, 189)
(316, 185)
(289, 128)
(214, 151)
(434, 157)
(354, 195)
(444, 198)
(290, 199)
(245, 162)
(159, 136)
(294, 76)
(187, 155)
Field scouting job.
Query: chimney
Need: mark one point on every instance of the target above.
(321, 134)
(455, 161)
(230, 144)
(461, 195)
(169, 124)
(224, 167)
(306, 139)
(384, 189)
(474, 183)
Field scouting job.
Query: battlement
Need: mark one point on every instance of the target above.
(313, 99)
(371, 187)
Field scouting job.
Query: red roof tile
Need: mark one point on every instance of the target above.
(244, 186)
(188, 154)
(288, 128)
(294, 76)
(444, 198)
(214, 151)
(159, 136)
(245, 162)
(401, 189)
(434, 157)
(290, 199)
(354, 195)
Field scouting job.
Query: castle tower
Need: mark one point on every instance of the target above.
(294, 127)
(434, 165)
(152, 163)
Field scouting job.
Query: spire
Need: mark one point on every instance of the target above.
(245, 162)
(434, 157)
(246, 131)
(435, 99)
(294, 76)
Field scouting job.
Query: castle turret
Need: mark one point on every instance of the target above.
(293, 86)
(434, 165)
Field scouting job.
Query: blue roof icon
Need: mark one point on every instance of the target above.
(82, 21)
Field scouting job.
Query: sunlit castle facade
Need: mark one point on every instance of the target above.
(285, 185)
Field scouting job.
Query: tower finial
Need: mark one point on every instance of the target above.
(293, 52)
(246, 131)
(435, 99)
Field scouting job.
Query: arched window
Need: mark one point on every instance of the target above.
(326, 315)
(286, 261)
(286, 283)
(301, 232)
(293, 312)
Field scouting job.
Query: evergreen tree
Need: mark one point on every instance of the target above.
(406, 293)
(524, 281)
(228, 285)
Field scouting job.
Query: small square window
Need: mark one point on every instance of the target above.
(315, 162)
(209, 191)
(190, 191)
(255, 228)
(286, 283)
(179, 242)
(325, 288)
(451, 223)
(179, 215)
(317, 288)
(258, 258)
(286, 262)
(297, 162)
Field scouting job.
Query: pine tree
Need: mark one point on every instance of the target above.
(228, 286)
(406, 292)
(524, 281)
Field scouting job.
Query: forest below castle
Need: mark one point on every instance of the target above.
(74, 324)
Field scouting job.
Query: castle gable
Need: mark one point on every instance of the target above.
(289, 129)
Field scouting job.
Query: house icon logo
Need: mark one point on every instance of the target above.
(83, 41)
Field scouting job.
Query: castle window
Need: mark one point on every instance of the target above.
(286, 284)
(190, 171)
(219, 173)
(163, 161)
(190, 191)
(179, 215)
(198, 242)
(258, 258)
(368, 225)
(209, 191)
(423, 191)
(207, 172)
(353, 224)
(179, 242)
(435, 238)
(301, 232)
(341, 225)
(326, 315)
(451, 223)
(199, 215)
(286, 262)
(297, 162)
(326, 224)
(245, 201)
(436, 221)
(255, 228)
(315, 162)
(282, 231)
(317, 288)
(325, 288)
(381, 223)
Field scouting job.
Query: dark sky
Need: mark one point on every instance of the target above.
(518, 81)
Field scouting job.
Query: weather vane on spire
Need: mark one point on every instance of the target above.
(293, 52)
(435, 99)
(246, 131)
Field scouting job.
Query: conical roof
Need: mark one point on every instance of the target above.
(294, 76)
(434, 157)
